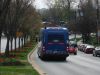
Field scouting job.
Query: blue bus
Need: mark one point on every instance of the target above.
(53, 42)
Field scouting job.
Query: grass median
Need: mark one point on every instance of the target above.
(17, 63)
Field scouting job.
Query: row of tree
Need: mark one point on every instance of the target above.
(82, 19)
(18, 19)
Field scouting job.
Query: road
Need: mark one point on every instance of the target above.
(81, 64)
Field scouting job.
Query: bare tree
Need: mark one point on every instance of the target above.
(86, 20)
(4, 5)
(19, 19)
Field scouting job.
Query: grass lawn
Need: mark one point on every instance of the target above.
(24, 68)
(14, 70)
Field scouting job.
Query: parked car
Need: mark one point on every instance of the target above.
(73, 50)
(89, 49)
(96, 51)
(82, 47)
(85, 46)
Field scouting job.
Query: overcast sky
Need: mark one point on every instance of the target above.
(39, 4)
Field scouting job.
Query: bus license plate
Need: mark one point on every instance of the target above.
(55, 52)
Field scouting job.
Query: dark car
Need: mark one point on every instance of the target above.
(96, 51)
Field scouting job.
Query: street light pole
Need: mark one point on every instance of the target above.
(97, 21)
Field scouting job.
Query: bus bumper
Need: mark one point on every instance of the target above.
(55, 54)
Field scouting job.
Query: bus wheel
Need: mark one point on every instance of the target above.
(38, 54)
(42, 57)
(63, 58)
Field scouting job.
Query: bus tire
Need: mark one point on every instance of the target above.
(38, 54)
(63, 58)
(42, 57)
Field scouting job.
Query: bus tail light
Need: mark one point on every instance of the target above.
(50, 43)
(67, 48)
(61, 43)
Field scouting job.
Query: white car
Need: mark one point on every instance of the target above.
(82, 47)
(89, 49)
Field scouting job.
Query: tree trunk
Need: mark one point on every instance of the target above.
(0, 40)
(83, 37)
(19, 43)
(0, 43)
(15, 43)
(7, 47)
(24, 41)
(11, 43)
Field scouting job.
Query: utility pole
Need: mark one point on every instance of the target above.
(97, 21)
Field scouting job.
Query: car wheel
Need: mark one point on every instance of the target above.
(85, 51)
(75, 53)
(63, 58)
(94, 54)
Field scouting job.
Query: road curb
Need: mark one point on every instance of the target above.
(32, 62)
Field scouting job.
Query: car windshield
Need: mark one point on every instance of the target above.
(97, 48)
(56, 38)
(90, 46)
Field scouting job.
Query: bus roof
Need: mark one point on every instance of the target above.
(54, 28)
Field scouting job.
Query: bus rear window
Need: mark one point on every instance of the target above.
(55, 38)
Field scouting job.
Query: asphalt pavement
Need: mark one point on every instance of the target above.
(81, 64)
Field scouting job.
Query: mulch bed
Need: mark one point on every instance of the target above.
(14, 55)
(1, 60)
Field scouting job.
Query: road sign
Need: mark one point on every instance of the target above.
(18, 34)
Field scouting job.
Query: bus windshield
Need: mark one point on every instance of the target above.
(56, 38)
